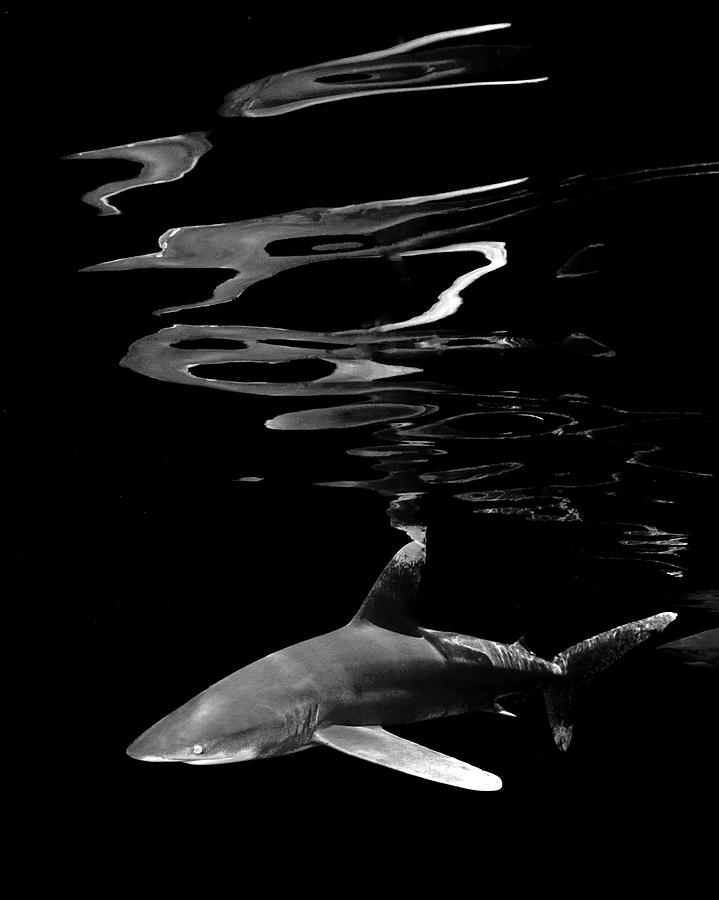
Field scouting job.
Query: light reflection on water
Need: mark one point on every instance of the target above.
(450, 222)
(162, 160)
(542, 458)
(432, 62)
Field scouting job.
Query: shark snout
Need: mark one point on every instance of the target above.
(189, 734)
(165, 741)
(147, 751)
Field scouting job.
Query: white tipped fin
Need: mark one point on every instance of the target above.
(376, 745)
(583, 661)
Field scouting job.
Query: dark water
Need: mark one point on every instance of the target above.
(553, 436)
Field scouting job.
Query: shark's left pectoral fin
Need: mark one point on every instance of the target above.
(376, 745)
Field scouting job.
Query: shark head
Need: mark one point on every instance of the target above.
(221, 725)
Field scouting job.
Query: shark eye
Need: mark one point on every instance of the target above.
(197, 749)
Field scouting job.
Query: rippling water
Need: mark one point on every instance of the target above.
(546, 457)
(422, 64)
(503, 357)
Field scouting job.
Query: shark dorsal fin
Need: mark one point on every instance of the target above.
(390, 601)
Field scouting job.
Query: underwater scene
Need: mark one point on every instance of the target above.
(389, 399)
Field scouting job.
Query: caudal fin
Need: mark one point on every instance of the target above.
(583, 661)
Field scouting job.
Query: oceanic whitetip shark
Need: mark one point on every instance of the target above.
(342, 688)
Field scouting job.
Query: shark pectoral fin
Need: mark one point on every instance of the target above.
(379, 746)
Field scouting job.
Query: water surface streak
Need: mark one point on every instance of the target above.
(454, 221)
(257, 249)
(353, 415)
(162, 160)
(362, 361)
(432, 62)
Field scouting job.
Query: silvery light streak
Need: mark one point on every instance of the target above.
(422, 64)
(162, 159)
(257, 249)
(450, 300)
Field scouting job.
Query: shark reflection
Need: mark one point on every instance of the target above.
(341, 689)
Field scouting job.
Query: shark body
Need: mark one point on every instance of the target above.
(339, 689)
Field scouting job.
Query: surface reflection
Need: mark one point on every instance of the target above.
(462, 221)
(432, 62)
(413, 425)
(162, 160)
(563, 459)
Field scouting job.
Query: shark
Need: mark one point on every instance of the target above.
(346, 688)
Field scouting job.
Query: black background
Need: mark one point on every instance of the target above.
(160, 573)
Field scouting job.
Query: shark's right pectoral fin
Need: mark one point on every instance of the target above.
(376, 745)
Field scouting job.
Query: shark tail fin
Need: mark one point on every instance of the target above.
(583, 661)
